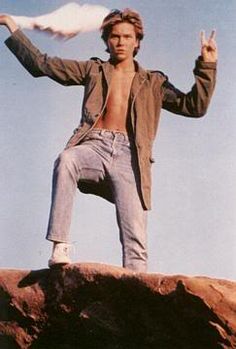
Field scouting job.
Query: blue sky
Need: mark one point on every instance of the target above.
(192, 226)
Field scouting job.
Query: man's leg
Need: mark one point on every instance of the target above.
(132, 221)
(131, 217)
(78, 163)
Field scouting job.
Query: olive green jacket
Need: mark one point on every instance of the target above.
(150, 92)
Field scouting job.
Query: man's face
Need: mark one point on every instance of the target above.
(122, 41)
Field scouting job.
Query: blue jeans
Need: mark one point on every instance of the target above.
(102, 154)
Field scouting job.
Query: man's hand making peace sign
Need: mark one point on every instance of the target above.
(208, 47)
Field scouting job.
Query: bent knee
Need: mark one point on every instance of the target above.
(66, 160)
(64, 157)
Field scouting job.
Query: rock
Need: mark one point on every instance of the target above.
(88, 306)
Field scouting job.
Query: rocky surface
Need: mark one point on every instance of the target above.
(88, 306)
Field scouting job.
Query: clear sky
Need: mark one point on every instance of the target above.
(192, 226)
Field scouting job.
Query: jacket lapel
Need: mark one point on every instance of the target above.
(139, 78)
(107, 71)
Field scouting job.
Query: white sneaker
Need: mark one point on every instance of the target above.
(60, 254)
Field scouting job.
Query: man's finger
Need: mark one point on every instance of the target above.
(213, 35)
(203, 37)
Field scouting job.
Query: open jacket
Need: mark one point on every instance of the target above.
(150, 92)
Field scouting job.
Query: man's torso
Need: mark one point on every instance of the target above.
(115, 113)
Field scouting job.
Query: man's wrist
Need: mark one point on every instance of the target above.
(200, 63)
(11, 24)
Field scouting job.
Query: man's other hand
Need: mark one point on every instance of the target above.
(8, 22)
(208, 47)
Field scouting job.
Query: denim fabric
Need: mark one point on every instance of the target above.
(108, 155)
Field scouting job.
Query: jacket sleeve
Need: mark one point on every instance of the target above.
(195, 102)
(64, 71)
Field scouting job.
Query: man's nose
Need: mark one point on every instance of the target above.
(121, 40)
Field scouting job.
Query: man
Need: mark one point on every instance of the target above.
(110, 153)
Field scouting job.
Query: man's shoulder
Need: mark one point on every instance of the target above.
(156, 74)
(96, 64)
(97, 60)
(150, 73)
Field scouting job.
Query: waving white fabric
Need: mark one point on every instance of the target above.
(67, 21)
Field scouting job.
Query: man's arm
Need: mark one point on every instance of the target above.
(64, 71)
(195, 102)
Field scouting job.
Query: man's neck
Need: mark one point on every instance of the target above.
(124, 66)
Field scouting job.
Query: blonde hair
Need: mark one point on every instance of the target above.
(117, 16)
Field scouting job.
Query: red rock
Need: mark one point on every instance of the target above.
(88, 306)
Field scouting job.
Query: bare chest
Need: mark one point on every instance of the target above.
(120, 87)
(115, 115)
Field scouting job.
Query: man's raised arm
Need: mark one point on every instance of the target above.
(196, 101)
(63, 71)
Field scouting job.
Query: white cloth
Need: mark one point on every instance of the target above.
(67, 21)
